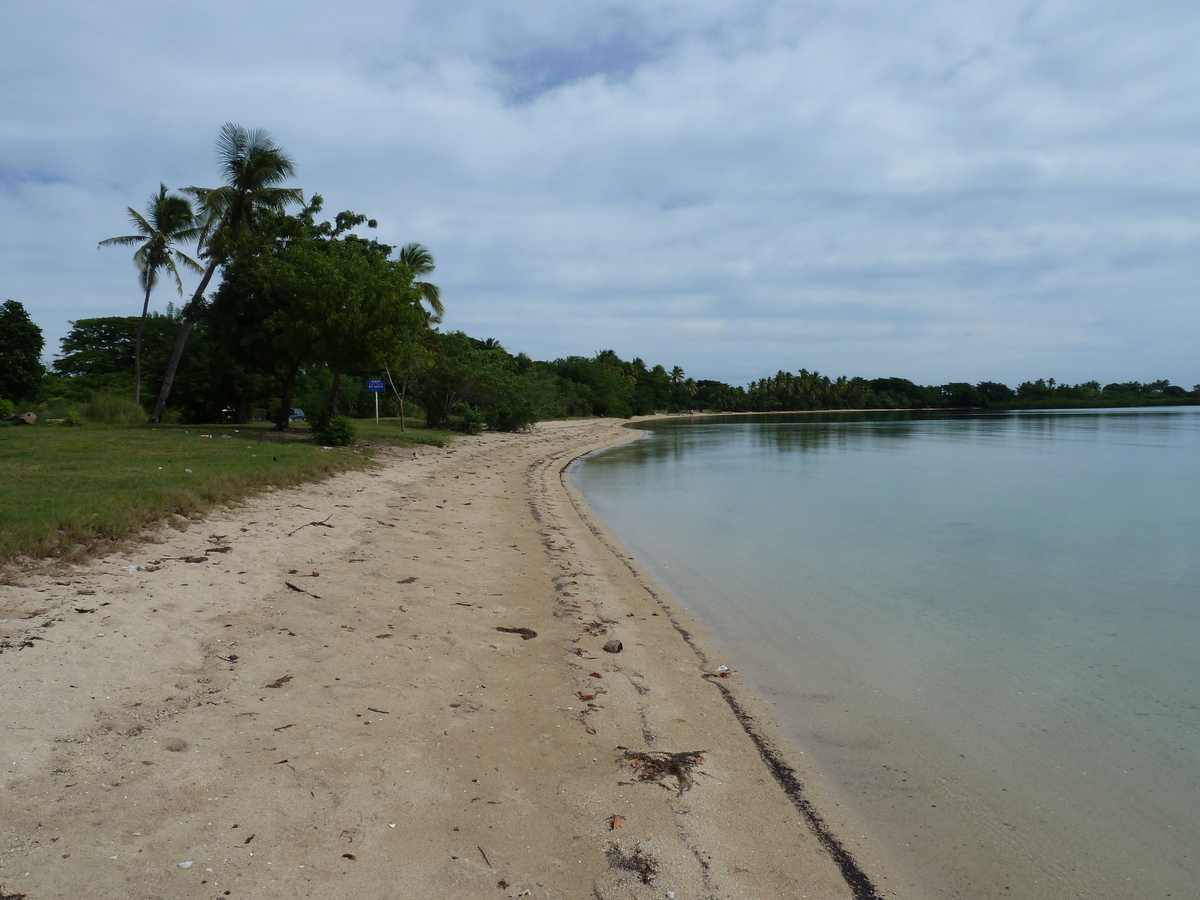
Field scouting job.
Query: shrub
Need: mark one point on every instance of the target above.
(53, 409)
(518, 417)
(337, 431)
(470, 421)
(6, 409)
(113, 410)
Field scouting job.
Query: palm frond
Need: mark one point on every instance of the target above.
(418, 259)
(144, 231)
(189, 263)
(432, 295)
(124, 240)
(170, 266)
(140, 222)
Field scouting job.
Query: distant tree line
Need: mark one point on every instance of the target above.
(812, 391)
(241, 361)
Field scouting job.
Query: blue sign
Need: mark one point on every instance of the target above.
(375, 384)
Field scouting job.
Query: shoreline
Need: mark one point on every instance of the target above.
(272, 707)
(747, 708)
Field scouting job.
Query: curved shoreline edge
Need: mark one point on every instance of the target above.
(390, 683)
(859, 882)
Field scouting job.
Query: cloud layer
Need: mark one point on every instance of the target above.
(925, 190)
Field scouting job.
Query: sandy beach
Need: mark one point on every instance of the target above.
(391, 684)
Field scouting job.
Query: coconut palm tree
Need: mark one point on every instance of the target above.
(254, 168)
(419, 261)
(169, 220)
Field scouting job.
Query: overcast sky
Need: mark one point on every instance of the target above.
(936, 190)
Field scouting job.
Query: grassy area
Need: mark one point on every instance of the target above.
(388, 432)
(70, 491)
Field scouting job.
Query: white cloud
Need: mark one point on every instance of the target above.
(928, 190)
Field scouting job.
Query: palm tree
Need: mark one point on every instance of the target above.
(676, 375)
(169, 220)
(253, 167)
(419, 261)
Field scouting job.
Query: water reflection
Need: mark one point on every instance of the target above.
(889, 430)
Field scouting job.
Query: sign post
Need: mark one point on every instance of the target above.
(375, 386)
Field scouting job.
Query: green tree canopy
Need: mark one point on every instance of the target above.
(102, 346)
(297, 292)
(21, 344)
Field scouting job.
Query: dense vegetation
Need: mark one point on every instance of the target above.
(233, 373)
(307, 310)
(809, 390)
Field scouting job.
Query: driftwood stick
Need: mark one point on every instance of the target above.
(324, 523)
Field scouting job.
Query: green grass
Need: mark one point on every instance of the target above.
(71, 492)
(388, 432)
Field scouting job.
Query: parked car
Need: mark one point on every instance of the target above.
(297, 416)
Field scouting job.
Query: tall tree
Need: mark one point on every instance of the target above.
(169, 220)
(296, 292)
(254, 168)
(21, 344)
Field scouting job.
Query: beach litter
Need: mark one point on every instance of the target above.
(186, 864)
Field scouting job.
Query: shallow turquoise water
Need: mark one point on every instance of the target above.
(981, 630)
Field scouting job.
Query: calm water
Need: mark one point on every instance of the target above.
(982, 631)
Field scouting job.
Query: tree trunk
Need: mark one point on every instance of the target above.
(333, 393)
(177, 353)
(399, 393)
(137, 350)
(289, 388)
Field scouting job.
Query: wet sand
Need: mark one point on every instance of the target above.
(326, 692)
